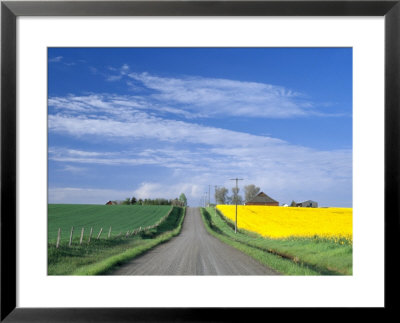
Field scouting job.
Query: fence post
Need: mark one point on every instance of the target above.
(90, 234)
(70, 237)
(98, 236)
(58, 237)
(83, 229)
(109, 233)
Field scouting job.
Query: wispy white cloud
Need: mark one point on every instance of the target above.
(55, 59)
(113, 78)
(143, 126)
(118, 106)
(74, 169)
(117, 73)
(226, 97)
(221, 97)
(168, 158)
(82, 153)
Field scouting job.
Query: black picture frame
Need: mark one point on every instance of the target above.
(10, 10)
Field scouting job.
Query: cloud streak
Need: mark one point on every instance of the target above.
(216, 97)
(144, 126)
(221, 97)
(55, 59)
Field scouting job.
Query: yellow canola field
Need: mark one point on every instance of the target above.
(283, 222)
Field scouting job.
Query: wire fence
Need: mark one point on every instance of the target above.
(100, 234)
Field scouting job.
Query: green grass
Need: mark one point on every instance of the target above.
(294, 256)
(103, 255)
(120, 218)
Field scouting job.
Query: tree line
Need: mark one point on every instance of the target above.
(222, 194)
(181, 201)
(250, 191)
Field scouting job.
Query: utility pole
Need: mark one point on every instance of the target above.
(215, 196)
(236, 179)
(209, 186)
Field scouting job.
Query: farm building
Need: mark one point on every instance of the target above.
(308, 203)
(110, 203)
(262, 199)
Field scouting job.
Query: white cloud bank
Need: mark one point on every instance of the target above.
(85, 195)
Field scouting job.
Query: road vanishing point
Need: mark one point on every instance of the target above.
(193, 252)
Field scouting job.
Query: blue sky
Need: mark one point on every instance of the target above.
(157, 122)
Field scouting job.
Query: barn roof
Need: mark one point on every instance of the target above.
(262, 198)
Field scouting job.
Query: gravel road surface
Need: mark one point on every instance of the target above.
(193, 252)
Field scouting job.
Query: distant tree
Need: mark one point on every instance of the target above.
(293, 203)
(127, 201)
(177, 202)
(250, 191)
(157, 201)
(236, 198)
(221, 194)
(183, 199)
(162, 201)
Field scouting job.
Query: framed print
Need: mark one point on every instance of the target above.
(120, 121)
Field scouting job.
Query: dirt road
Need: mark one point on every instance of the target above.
(193, 252)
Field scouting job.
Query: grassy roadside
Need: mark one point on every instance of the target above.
(102, 256)
(287, 256)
